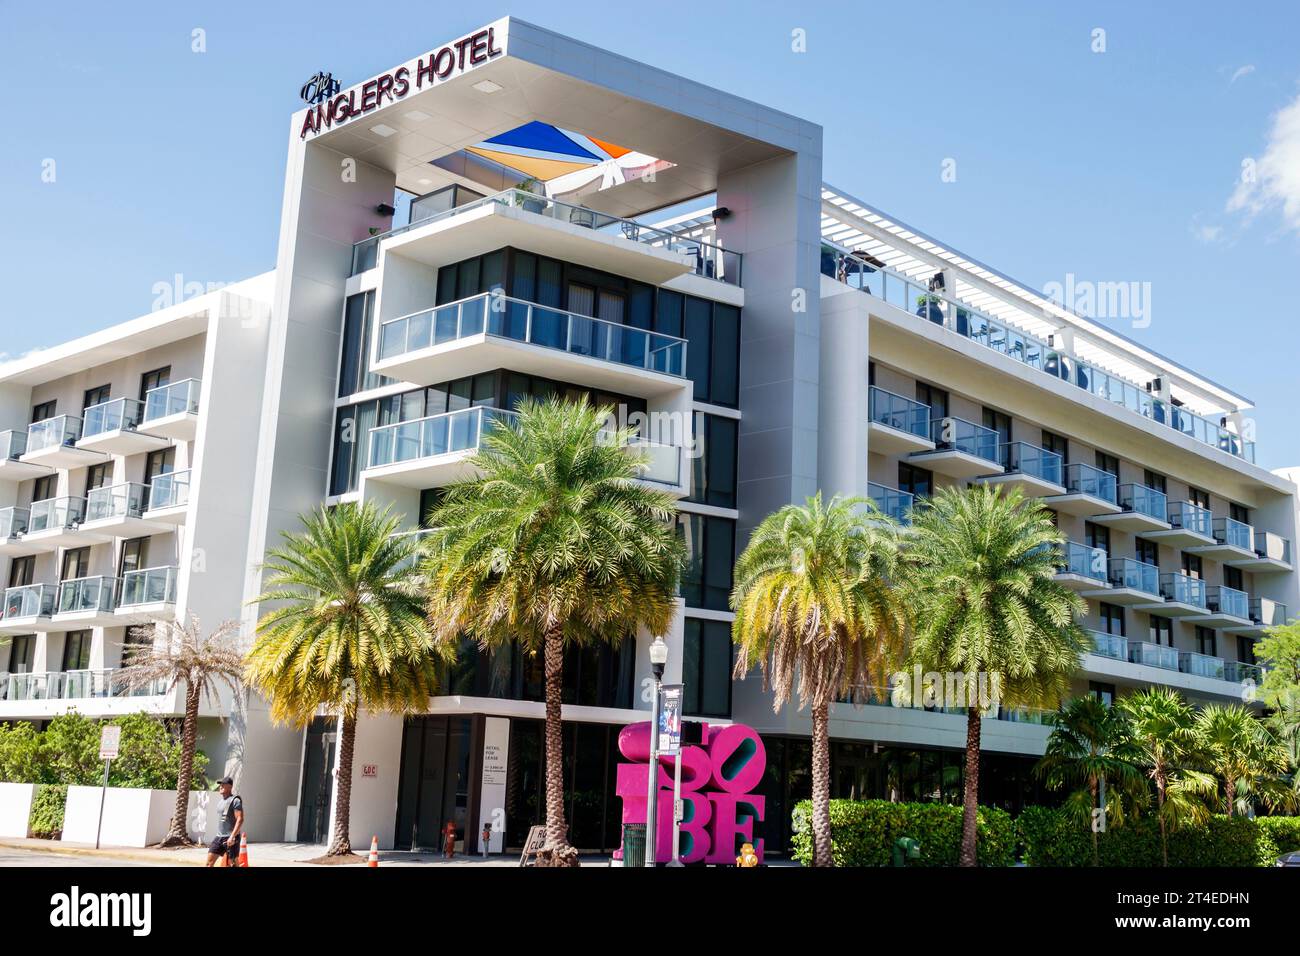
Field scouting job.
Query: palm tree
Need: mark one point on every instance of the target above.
(1088, 750)
(1240, 751)
(1285, 726)
(180, 654)
(1163, 727)
(813, 602)
(347, 631)
(556, 544)
(980, 572)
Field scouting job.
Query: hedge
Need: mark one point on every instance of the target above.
(863, 833)
(46, 820)
(1050, 837)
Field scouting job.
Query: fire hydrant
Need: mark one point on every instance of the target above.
(449, 840)
(487, 840)
(747, 856)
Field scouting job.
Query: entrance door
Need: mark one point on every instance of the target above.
(317, 781)
(435, 782)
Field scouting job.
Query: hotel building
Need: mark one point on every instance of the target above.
(517, 213)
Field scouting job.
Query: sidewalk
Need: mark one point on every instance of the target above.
(262, 854)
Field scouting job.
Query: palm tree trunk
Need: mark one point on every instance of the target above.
(970, 802)
(1160, 816)
(1230, 792)
(821, 786)
(341, 838)
(1092, 788)
(178, 832)
(556, 851)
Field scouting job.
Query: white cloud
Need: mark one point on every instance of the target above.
(1241, 71)
(1206, 233)
(1273, 180)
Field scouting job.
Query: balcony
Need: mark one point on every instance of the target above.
(1201, 665)
(118, 511)
(1272, 554)
(1142, 510)
(1035, 471)
(890, 501)
(1233, 540)
(53, 443)
(526, 220)
(1082, 568)
(13, 445)
(13, 525)
(83, 685)
(1239, 672)
(1153, 655)
(962, 449)
(1227, 607)
(56, 523)
(1263, 614)
(897, 425)
(168, 498)
(28, 608)
(1112, 646)
(1190, 527)
(147, 592)
(172, 411)
(490, 331)
(1089, 492)
(111, 428)
(87, 602)
(1184, 596)
(1132, 582)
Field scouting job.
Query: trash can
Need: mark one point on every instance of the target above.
(634, 844)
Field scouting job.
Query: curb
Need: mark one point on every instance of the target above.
(144, 856)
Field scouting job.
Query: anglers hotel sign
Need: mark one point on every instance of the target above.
(445, 63)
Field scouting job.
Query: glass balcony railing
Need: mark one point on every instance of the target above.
(956, 434)
(127, 500)
(1239, 672)
(56, 514)
(1153, 655)
(172, 399)
(30, 686)
(1176, 586)
(13, 522)
(1109, 645)
(897, 504)
(1022, 458)
(1082, 560)
(78, 595)
(168, 491)
(1267, 613)
(1202, 665)
(1142, 500)
(899, 413)
(1134, 574)
(72, 685)
(1081, 479)
(148, 586)
(1190, 517)
(433, 436)
(1234, 534)
(13, 444)
(52, 433)
(117, 415)
(857, 272)
(1226, 600)
(30, 600)
(1272, 546)
(519, 321)
(708, 259)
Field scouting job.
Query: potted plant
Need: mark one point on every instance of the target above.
(533, 197)
(927, 307)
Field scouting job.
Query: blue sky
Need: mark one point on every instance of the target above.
(1113, 166)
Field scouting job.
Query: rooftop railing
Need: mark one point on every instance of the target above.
(520, 321)
(148, 586)
(899, 413)
(891, 501)
(127, 500)
(53, 432)
(936, 307)
(957, 434)
(1134, 574)
(174, 398)
(1190, 517)
(1082, 479)
(710, 261)
(1022, 458)
(1176, 586)
(1140, 499)
(55, 514)
(169, 491)
(116, 415)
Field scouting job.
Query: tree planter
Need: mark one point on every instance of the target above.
(16, 808)
(133, 817)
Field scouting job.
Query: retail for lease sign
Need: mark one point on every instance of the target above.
(437, 66)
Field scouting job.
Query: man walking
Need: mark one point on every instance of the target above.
(230, 817)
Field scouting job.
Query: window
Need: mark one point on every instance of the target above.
(134, 555)
(1108, 463)
(1103, 692)
(76, 564)
(44, 410)
(1000, 423)
(1192, 565)
(1148, 552)
(706, 668)
(1246, 650)
(1206, 642)
(76, 651)
(1239, 513)
(1198, 497)
(1161, 631)
(99, 475)
(1112, 619)
(1096, 536)
(95, 396)
(710, 550)
(155, 379)
(45, 487)
(916, 481)
(159, 462)
(698, 331)
(713, 478)
(1232, 577)
(359, 323)
(22, 571)
(1153, 480)
(1057, 445)
(20, 654)
(936, 398)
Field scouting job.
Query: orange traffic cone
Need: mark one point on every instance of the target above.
(243, 849)
(374, 852)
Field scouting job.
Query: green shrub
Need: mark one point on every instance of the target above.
(863, 833)
(1283, 831)
(150, 756)
(46, 819)
(20, 753)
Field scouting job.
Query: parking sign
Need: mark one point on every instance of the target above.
(110, 740)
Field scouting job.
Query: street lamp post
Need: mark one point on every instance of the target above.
(658, 658)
